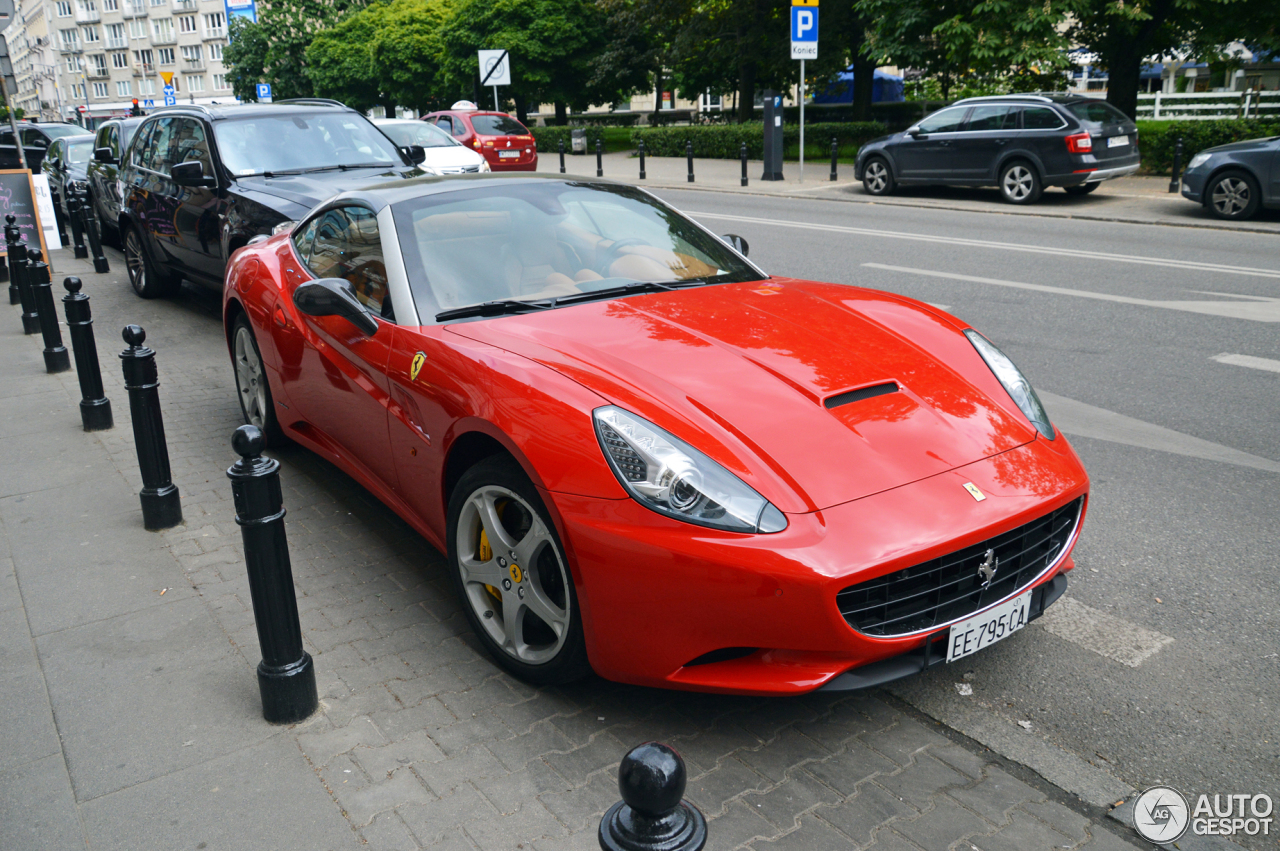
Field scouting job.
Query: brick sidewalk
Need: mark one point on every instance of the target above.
(134, 720)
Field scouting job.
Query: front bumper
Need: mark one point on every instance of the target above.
(657, 594)
(1193, 185)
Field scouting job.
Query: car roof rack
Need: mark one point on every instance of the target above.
(1028, 96)
(203, 107)
(314, 102)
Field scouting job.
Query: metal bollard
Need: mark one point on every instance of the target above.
(652, 815)
(56, 356)
(61, 222)
(11, 238)
(88, 222)
(599, 161)
(77, 229)
(742, 155)
(688, 152)
(286, 675)
(161, 504)
(95, 407)
(642, 159)
(22, 273)
(562, 156)
(1175, 180)
(835, 151)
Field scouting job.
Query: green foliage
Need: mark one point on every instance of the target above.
(613, 138)
(1157, 139)
(274, 49)
(17, 114)
(245, 57)
(725, 141)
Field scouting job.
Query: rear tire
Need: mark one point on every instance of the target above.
(145, 279)
(1232, 195)
(1081, 189)
(1019, 183)
(877, 177)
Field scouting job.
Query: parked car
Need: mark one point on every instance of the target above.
(505, 143)
(110, 142)
(593, 405)
(444, 154)
(1233, 181)
(36, 139)
(198, 182)
(65, 164)
(1019, 143)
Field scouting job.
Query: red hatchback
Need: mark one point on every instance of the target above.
(504, 142)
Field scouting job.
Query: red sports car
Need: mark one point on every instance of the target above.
(643, 455)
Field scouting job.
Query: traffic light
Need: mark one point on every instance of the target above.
(136, 110)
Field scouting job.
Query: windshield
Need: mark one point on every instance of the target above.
(1097, 112)
(80, 152)
(57, 131)
(280, 143)
(548, 240)
(497, 125)
(419, 133)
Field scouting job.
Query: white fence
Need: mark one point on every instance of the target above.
(1209, 105)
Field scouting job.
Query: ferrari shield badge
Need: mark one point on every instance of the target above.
(416, 366)
(978, 496)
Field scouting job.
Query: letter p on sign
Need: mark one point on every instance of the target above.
(804, 29)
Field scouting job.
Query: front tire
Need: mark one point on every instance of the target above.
(512, 577)
(252, 385)
(1233, 195)
(877, 177)
(1019, 183)
(145, 279)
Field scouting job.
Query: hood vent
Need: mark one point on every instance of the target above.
(860, 394)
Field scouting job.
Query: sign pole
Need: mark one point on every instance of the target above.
(804, 45)
(495, 99)
(802, 121)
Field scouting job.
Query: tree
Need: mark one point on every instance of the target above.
(638, 47)
(245, 57)
(274, 48)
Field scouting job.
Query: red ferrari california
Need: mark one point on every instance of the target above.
(643, 455)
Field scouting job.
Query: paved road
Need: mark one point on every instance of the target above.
(1157, 349)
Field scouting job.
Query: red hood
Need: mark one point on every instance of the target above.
(741, 371)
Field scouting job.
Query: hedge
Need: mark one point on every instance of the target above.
(1157, 139)
(723, 141)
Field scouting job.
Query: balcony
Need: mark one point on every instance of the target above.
(133, 10)
(88, 17)
(117, 43)
(211, 34)
(185, 5)
(97, 74)
(144, 70)
(189, 65)
(164, 38)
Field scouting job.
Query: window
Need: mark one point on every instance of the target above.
(159, 154)
(77, 91)
(191, 53)
(141, 152)
(195, 83)
(992, 117)
(215, 51)
(110, 5)
(147, 86)
(190, 144)
(91, 34)
(99, 64)
(33, 138)
(70, 39)
(346, 245)
(1041, 118)
(74, 64)
(159, 2)
(138, 29)
(124, 89)
(220, 82)
(64, 9)
(100, 90)
(86, 7)
(142, 58)
(1097, 112)
(116, 35)
(120, 60)
(187, 24)
(946, 121)
(162, 29)
(214, 25)
(166, 55)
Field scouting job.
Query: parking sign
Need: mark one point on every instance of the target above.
(804, 29)
(264, 92)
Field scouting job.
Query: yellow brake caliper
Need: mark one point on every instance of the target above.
(484, 552)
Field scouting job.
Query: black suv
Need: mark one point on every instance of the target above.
(198, 182)
(109, 144)
(36, 139)
(1019, 143)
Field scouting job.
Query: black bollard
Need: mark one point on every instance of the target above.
(688, 152)
(88, 222)
(835, 151)
(562, 156)
(161, 504)
(286, 676)
(56, 356)
(77, 229)
(742, 155)
(26, 297)
(652, 815)
(95, 407)
(11, 238)
(61, 221)
(642, 159)
(599, 161)
(1175, 179)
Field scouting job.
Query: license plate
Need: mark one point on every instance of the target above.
(508, 155)
(1118, 141)
(970, 636)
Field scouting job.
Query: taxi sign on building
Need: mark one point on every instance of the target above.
(804, 29)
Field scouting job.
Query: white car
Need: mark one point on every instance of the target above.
(445, 154)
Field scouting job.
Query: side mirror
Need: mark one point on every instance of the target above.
(191, 174)
(333, 297)
(103, 155)
(914, 131)
(416, 153)
(738, 243)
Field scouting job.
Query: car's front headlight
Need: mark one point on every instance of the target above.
(484, 166)
(1198, 160)
(669, 476)
(283, 227)
(1014, 381)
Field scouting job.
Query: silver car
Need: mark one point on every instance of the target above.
(445, 154)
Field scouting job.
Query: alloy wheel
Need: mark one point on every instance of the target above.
(1230, 197)
(1018, 183)
(249, 379)
(135, 262)
(877, 176)
(513, 575)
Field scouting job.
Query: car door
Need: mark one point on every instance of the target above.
(1043, 133)
(153, 194)
(336, 375)
(54, 169)
(102, 176)
(198, 245)
(977, 147)
(929, 155)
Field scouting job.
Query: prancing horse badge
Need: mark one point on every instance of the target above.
(416, 366)
(977, 495)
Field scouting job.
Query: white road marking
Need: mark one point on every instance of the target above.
(1082, 420)
(1249, 361)
(1262, 309)
(1104, 634)
(1002, 246)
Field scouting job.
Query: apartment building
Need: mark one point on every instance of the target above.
(35, 62)
(111, 51)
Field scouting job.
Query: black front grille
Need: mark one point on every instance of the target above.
(946, 589)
